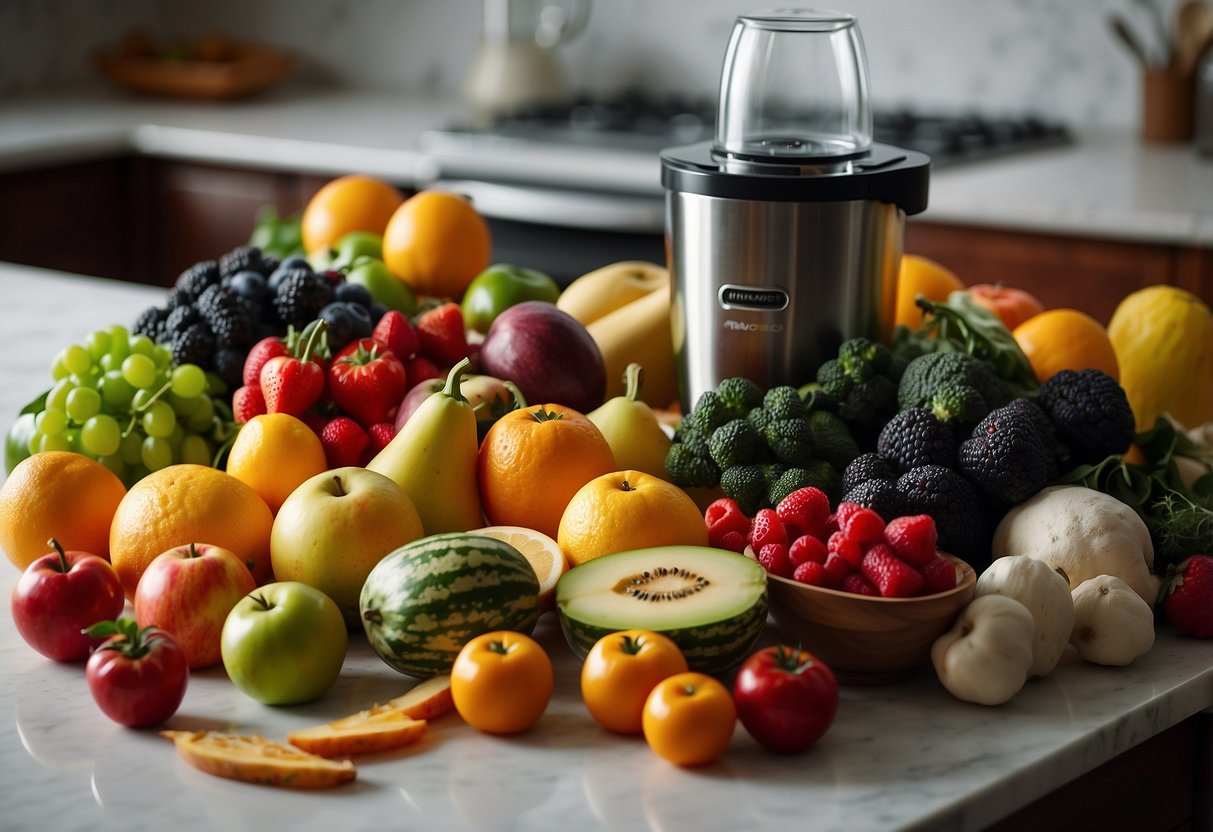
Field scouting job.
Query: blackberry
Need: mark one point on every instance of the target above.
(960, 518)
(232, 327)
(149, 322)
(1090, 413)
(879, 495)
(197, 277)
(210, 301)
(238, 259)
(301, 296)
(916, 437)
(268, 264)
(194, 345)
(869, 466)
(229, 366)
(1005, 456)
(179, 319)
(177, 298)
(285, 268)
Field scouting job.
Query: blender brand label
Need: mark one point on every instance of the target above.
(753, 298)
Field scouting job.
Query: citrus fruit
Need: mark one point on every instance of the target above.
(533, 460)
(273, 454)
(626, 510)
(184, 504)
(437, 243)
(59, 494)
(1163, 337)
(542, 553)
(919, 275)
(348, 203)
(1065, 339)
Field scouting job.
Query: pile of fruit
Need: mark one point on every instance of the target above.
(381, 434)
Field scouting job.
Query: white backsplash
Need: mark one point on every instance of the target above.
(1053, 57)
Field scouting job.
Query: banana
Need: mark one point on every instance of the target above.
(639, 332)
(604, 290)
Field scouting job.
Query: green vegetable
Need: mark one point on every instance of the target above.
(740, 396)
(791, 440)
(832, 439)
(746, 484)
(734, 443)
(962, 325)
(784, 403)
(709, 413)
(957, 402)
(859, 381)
(927, 374)
(793, 479)
(690, 470)
(277, 236)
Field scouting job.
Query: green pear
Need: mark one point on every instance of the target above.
(632, 430)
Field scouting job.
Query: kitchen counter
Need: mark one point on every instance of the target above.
(1103, 186)
(899, 756)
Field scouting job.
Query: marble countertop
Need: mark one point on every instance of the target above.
(899, 756)
(1111, 186)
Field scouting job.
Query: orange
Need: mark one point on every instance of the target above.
(628, 510)
(59, 494)
(189, 503)
(919, 275)
(436, 242)
(273, 454)
(1065, 339)
(542, 553)
(533, 460)
(348, 203)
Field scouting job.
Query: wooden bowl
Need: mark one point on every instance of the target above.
(866, 640)
(249, 69)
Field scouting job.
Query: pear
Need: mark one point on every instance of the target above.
(632, 430)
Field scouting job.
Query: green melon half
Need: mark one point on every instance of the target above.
(712, 603)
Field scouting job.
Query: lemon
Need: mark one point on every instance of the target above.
(541, 552)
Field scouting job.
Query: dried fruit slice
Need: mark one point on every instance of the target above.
(427, 700)
(254, 759)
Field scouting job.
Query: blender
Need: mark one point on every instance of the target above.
(785, 232)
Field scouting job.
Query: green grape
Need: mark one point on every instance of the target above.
(101, 436)
(132, 448)
(72, 434)
(77, 360)
(175, 438)
(159, 420)
(139, 370)
(59, 367)
(83, 403)
(215, 385)
(142, 345)
(203, 414)
(109, 362)
(163, 356)
(85, 380)
(115, 463)
(98, 343)
(58, 442)
(157, 453)
(51, 422)
(189, 380)
(195, 449)
(120, 345)
(56, 399)
(142, 398)
(116, 391)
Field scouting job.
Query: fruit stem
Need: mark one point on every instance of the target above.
(261, 599)
(373, 616)
(132, 642)
(630, 645)
(454, 378)
(633, 379)
(541, 415)
(63, 565)
(341, 492)
(194, 550)
(321, 327)
(789, 659)
(499, 647)
(626, 486)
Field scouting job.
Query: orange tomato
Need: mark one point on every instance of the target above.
(1066, 339)
(348, 203)
(501, 682)
(916, 276)
(621, 671)
(437, 243)
(689, 719)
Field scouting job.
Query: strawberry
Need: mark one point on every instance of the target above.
(395, 330)
(840, 543)
(442, 334)
(913, 538)
(767, 528)
(938, 574)
(858, 584)
(292, 385)
(805, 549)
(381, 434)
(892, 576)
(733, 541)
(418, 368)
(247, 402)
(1188, 599)
(810, 572)
(807, 509)
(774, 556)
(864, 526)
(261, 352)
(724, 516)
(367, 381)
(344, 442)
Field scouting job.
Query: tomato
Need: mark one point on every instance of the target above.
(501, 682)
(786, 698)
(689, 719)
(1012, 306)
(137, 677)
(620, 672)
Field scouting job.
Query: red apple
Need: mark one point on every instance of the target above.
(1012, 306)
(188, 591)
(60, 594)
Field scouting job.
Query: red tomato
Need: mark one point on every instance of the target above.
(1012, 306)
(60, 594)
(137, 677)
(786, 698)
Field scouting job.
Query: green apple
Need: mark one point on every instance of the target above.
(284, 643)
(355, 244)
(334, 527)
(384, 286)
(501, 286)
(321, 260)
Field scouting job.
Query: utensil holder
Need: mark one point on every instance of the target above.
(1168, 106)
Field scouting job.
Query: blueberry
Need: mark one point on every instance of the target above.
(295, 261)
(354, 293)
(363, 325)
(341, 324)
(250, 284)
(377, 310)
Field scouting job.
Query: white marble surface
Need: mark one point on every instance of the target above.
(899, 756)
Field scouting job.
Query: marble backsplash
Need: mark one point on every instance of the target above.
(1053, 57)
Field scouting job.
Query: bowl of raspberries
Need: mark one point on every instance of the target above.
(866, 594)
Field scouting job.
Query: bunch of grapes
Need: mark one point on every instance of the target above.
(120, 399)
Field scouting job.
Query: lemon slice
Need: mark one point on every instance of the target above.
(254, 759)
(541, 552)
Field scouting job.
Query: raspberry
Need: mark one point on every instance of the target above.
(805, 508)
(774, 556)
(858, 584)
(939, 575)
(767, 528)
(837, 568)
(892, 576)
(381, 434)
(831, 527)
(844, 511)
(733, 541)
(810, 572)
(724, 516)
(840, 543)
(913, 537)
(805, 549)
(344, 442)
(442, 334)
(864, 526)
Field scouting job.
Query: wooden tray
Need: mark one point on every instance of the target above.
(252, 69)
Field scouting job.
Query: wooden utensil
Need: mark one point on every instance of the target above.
(1120, 27)
(1193, 28)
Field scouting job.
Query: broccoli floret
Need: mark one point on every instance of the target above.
(832, 439)
(760, 418)
(815, 398)
(928, 373)
(917, 437)
(1090, 412)
(709, 413)
(695, 439)
(1005, 456)
(869, 466)
(745, 484)
(957, 402)
(688, 469)
(734, 443)
(791, 441)
(858, 381)
(784, 403)
(791, 480)
(960, 518)
(740, 396)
